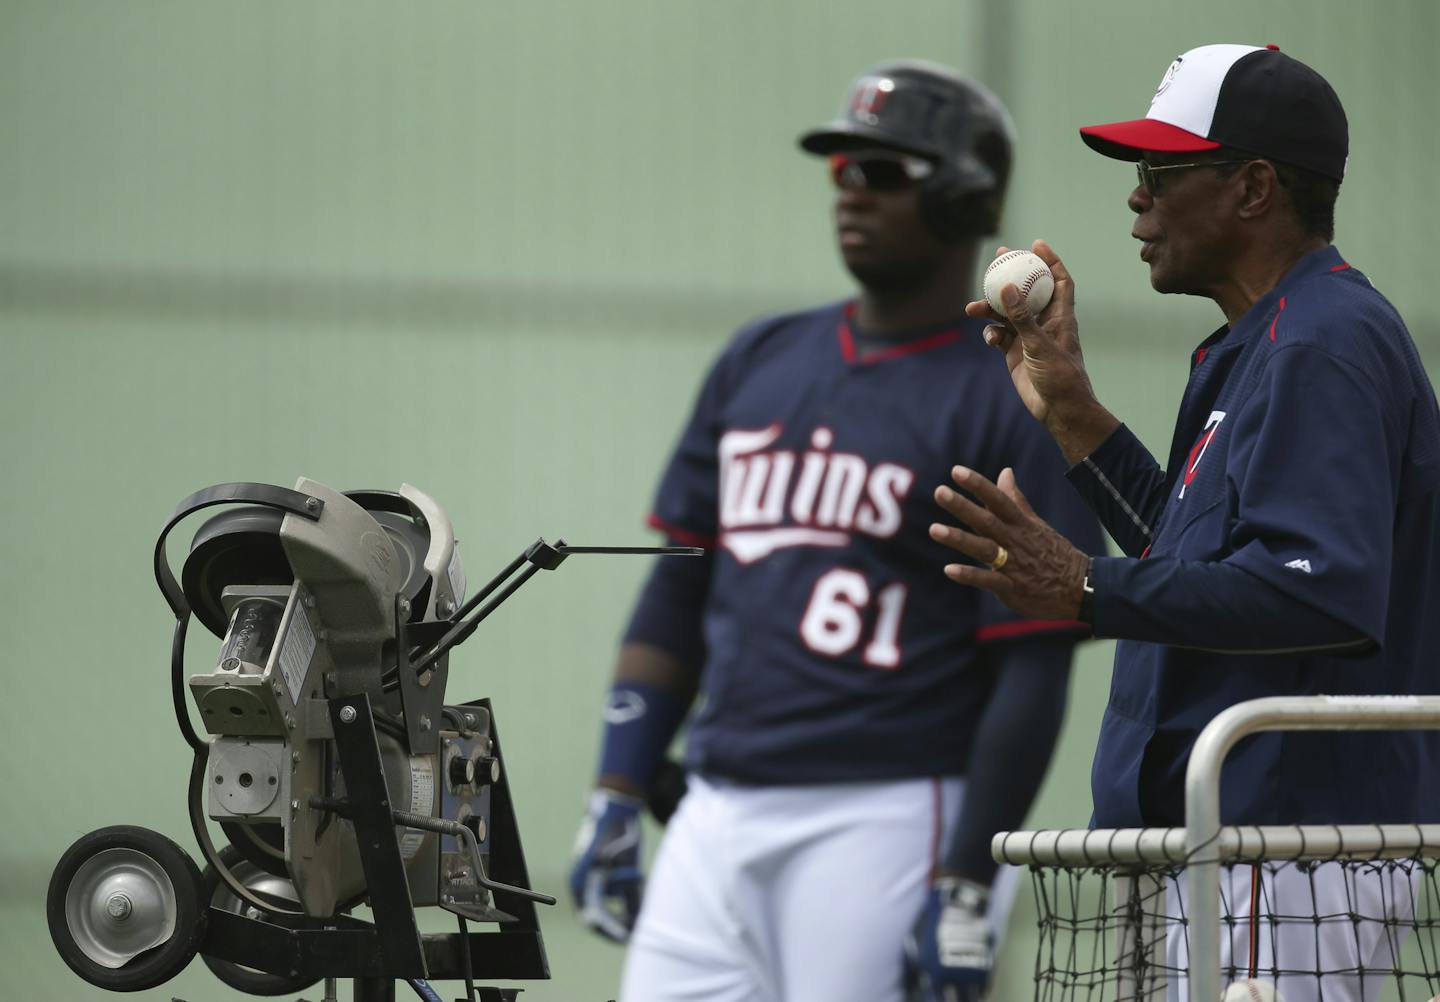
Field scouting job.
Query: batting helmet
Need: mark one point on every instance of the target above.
(928, 111)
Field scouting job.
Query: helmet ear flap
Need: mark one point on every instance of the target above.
(964, 198)
(953, 211)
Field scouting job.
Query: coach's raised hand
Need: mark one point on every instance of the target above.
(1045, 361)
(1032, 568)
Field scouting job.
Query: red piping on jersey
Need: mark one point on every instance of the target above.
(1024, 628)
(1342, 266)
(847, 343)
(1277, 318)
(1200, 355)
(682, 536)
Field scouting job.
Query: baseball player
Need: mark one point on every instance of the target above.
(1291, 546)
(861, 729)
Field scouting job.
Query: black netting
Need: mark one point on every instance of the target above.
(1336, 930)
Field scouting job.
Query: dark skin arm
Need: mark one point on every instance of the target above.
(1014, 739)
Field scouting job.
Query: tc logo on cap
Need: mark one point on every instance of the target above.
(1169, 76)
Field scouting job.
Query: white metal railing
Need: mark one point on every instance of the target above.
(1202, 791)
(1236, 843)
(1202, 845)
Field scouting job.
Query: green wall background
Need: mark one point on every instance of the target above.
(489, 249)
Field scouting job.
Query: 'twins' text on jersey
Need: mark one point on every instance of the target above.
(835, 649)
(771, 498)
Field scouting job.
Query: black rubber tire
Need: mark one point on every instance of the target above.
(158, 964)
(244, 979)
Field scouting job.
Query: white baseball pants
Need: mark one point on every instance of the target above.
(792, 893)
(1272, 928)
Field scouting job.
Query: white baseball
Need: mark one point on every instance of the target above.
(1027, 273)
(1252, 990)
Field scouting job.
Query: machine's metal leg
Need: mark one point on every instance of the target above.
(401, 950)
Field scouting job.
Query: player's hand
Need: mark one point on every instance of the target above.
(1042, 574)
(950, 951)
(605, 880)
(1043, 351)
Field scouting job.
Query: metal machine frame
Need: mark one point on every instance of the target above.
(271, 937)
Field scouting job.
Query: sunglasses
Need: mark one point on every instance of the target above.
(1151, 183)
(878, 171)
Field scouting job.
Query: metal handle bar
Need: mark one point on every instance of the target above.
(1202, 791)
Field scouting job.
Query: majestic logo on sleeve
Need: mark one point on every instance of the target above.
(771, 499)
(1197, 452)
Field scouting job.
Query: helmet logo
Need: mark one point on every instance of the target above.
(869, 99)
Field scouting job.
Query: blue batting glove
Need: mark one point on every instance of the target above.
(606, 881)
(951, 951)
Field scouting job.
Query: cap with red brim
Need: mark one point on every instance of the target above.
(1130, 140)
(1258, 101)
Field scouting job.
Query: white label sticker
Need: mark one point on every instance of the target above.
(422, 801)
(296, 652)
(456, 573)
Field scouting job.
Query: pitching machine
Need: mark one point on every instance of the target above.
(330, 759)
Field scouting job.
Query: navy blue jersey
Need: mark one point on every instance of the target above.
(835, 648)
(1307, 456)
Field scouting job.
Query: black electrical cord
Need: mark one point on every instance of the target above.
(455, 717)
(197, 773)
(177, 685)
(465, 956)
(390, 677)
(327, 773)
(392, 727)
(207, 847)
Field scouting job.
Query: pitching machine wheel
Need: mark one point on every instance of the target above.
(267, 886)
(124, 908)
